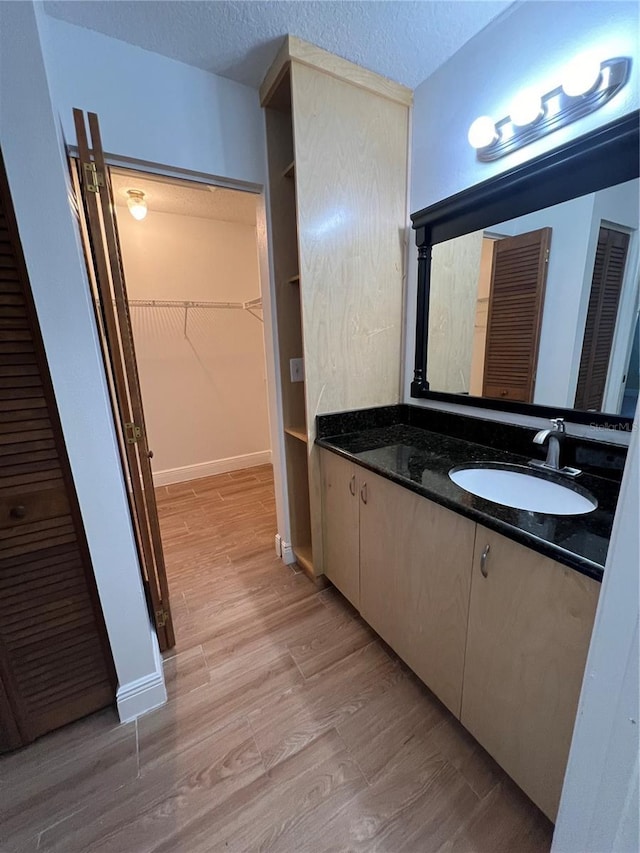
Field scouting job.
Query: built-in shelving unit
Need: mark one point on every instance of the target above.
(297, 432)
(337, 139)
(288, 309)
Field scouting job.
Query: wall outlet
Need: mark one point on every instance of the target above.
(296, 368)
(278, 545)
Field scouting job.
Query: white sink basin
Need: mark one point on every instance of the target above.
(515, 486)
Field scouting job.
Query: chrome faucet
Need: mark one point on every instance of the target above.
(553, 436)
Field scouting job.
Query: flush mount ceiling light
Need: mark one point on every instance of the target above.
(136, 204)
(586, 85)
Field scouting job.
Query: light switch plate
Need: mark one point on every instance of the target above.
(296, 369)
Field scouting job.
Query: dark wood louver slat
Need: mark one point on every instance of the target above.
(55, 665)
(602, 315)
(515, 313)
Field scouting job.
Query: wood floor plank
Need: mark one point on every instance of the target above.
(34, 801)
(143, 816)
(405, 715)
(289, 727)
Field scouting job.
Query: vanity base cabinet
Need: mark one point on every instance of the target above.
(415, 577)
(530, 622)
(340, 514)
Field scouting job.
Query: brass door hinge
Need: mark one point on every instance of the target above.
(133, 433)
(93, 178)
(162, 617)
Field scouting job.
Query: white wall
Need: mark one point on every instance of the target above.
(28, 135)
(152, 108)
(529, 43)
(600, 801)
(204, 394)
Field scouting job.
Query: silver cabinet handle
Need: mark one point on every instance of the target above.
(483, 561)
(363, 493)
(352, 485)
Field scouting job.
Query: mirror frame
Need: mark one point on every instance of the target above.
(608, 156)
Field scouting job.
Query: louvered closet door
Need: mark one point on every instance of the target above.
(55, 664)
(516, 301)
(602, 315)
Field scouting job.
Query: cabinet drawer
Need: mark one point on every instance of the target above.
(28, 507)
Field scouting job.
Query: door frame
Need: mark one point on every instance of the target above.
(267, 289)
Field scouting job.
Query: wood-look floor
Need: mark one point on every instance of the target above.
(289, 725)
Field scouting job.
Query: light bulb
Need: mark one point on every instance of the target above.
(137, 204)
(526, 108)
(482, 132)
(581, 76)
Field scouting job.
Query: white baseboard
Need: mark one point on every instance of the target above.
(288, 556)
(144, 694)
(208, 469)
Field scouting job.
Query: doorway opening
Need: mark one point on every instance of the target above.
(174, 268)
(193, 287)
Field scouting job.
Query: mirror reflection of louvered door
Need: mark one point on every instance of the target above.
(602, 315)
(518, 278)
(55, 661)
(102, 249)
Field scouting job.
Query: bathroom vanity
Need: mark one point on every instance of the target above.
(492, 607)
(526, 305)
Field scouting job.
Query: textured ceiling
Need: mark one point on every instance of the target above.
(400, 39)
(186, 199)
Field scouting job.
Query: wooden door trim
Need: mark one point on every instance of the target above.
(131, 366)
(109, 274)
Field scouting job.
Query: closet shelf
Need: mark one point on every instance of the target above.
(289, 172)
(295, 279)
(251, 306)
(297, 432)
(176, 303)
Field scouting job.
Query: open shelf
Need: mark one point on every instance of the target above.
(297, 432)
(295, 279)
(304, 557)
(290, 171)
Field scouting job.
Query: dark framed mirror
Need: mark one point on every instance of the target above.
(528, 285)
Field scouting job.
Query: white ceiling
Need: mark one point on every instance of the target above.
(165, 195)
(400, 39)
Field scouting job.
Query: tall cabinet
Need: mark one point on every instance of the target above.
(337, 138)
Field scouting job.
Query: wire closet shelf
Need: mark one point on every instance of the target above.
(252, 306)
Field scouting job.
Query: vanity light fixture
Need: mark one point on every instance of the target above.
(137, 204)
(526, 109)
(586, 85)
(482, 132)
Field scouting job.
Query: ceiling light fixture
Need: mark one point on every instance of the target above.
(587, 85)
(137, 204)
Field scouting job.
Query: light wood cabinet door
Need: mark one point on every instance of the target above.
(340, 515)
(530, 622)
(415, 576)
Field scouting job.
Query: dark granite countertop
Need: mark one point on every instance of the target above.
(420, 459)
